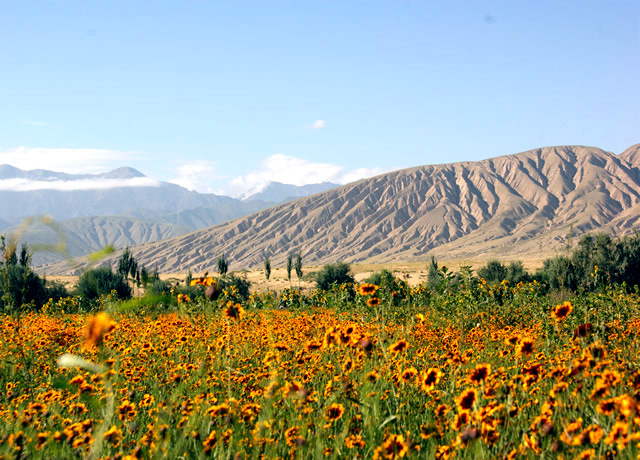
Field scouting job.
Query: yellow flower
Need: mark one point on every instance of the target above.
(393, 447)
(606, 406)
(373, 302)
(466, 400)
(334, 412)
(399, 346)
(408, 374)
(209, 443)
(354, 441)
(234, 311)
(372, 376)
(203, 281)
(560, 312)
(429, 379)
(97, 327)
(367, 289)
(480, 373)
(292, 436)
(525, 346)
(618, 434)
(113, 435)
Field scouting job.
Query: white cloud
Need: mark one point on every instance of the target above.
(296, 171)
(361, 173)
(197, 175)
(318, 124)
(69, 160)
(27, 185)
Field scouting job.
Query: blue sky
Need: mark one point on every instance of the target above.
(223, 96)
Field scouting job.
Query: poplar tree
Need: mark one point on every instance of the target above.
(298, 267)
(267, 268)
(289, 266)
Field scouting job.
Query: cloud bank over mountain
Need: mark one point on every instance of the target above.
(198, 175)
(27, 185)
(296, 171)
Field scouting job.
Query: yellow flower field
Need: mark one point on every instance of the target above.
(312, 382)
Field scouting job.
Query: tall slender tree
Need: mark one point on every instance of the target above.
(223, 265)
(267, 268)
(289, 266)
(298, 267)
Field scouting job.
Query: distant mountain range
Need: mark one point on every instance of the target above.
(275, 192)
(121, 207)
(525, 205)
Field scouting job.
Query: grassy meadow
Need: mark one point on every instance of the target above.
(470, 370)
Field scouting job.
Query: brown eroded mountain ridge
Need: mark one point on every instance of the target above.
(515, 206)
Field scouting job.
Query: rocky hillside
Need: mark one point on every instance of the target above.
(522, 205)
(84, 235)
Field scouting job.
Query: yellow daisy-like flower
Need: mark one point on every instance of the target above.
(394, 446)
(373, 302)
(234, 311)
(560, 312)
(466, 400)
(367, 289)
(429, 379)
(409, 374)
(525, 346)
(479, 374)
(203, 281)
(334, 412)
(399, 346)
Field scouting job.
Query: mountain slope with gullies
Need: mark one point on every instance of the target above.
(84, 235)
(523, 205)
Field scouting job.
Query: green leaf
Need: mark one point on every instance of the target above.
(391, 418)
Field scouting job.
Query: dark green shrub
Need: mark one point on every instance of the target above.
(241, 284)
(559, 272)
(223, 265)
(387, 281)
(101, 281)
(20, 285)
(338, 273)
(381, 278)
(434, 275)
(627, 260)
(158, 287)
(391, 287)
(517, 274)
(55, 291)
(127, 265)
(618, 260)
(494, 272)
